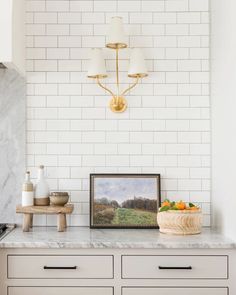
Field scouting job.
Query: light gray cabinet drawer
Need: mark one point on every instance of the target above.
(174, 291)
(59, 267)
(174, 267)
(60, 291)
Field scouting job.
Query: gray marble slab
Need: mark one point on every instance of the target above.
(12, 142)
(75, 237)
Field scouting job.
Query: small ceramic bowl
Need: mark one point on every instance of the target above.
(59, 198)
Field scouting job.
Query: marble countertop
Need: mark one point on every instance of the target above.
(83, 237)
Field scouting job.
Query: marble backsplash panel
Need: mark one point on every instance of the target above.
(12, 142)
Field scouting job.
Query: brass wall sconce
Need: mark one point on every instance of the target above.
(97, 69)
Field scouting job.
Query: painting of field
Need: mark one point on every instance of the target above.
(125, 202)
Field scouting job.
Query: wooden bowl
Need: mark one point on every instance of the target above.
(59, 198)
(180, 222)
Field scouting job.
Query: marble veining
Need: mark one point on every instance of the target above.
(74, 237)
(12, 141)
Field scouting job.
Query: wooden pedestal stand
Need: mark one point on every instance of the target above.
(29, 211)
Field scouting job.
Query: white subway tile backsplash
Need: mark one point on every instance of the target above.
(154, 30)
(58, 53)
(165, 17)
(200, 5)
(199, 29)
(57, 30)
(58, 101)
(189, 184)
(188, 17)
(45, 65)
(199, 53)
(104, 6)
(45, 41)
(45, 89)
(57, 77)
(69, 89)
(166, 128)
(35, 53)
(35, 29)
(61, 149)
(81, 30)
(58, 125)
(57, 5)
(81, 5)
(189, 65)
(69, 41)
(45, 18)
(189, 41)
(35, 5)
(69, 65)
(128, 6)
(147, 5)
(93, 18)
(176, 5)
(140, 18)
(45, 113)
(177, 53)
(69, 18)
(177, 29)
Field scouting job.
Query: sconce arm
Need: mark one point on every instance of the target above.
(130, 87)
(102, 86)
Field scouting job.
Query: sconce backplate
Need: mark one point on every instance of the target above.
(118, 104)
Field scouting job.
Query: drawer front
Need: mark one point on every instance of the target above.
(53, 267)
(60, 291)
(174, 291)
(174, 267)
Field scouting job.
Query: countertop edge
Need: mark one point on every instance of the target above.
(86, 238)
(69, 245)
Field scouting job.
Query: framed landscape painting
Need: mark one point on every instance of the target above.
(124, 200)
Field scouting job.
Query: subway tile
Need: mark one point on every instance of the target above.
(104, 6)
(164, 18)
(93, 18)
(35, 5)
(35, 29)
(140, 18)
(57, 101)
(81, 5)
(188, 17)
(129, 6)
(58, 125)
(45, 18)
(69, 89)
(147, 5)
(176, 5)
(58, 53)
(45, 41)
(200, 5)
(69, 18)
(57, 30)
(57, 5)
(35, 53)
(69, 41)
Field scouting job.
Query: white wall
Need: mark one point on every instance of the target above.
(224, 115)
(166, 127)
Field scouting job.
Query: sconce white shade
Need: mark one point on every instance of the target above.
(116, 35)
(96, 67)
(137, 66)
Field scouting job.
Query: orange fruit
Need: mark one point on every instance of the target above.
(165, 203)
(180, 205)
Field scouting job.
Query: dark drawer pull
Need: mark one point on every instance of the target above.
(175, 267)
(60, 267)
